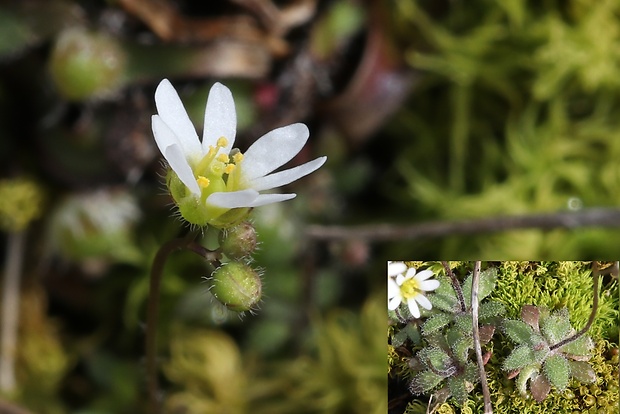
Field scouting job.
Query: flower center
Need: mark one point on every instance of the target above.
(218, 171)
(410, 288)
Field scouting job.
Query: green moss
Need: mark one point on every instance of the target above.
(557, 285)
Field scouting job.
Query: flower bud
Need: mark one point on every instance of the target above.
(237, 286)
(239, 241)
(85, 64)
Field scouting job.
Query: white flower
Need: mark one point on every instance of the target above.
(211, 182)
(409, 288)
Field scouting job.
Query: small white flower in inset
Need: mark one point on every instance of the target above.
(212, 183)
(410, 288)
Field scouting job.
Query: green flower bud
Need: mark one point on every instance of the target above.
(239, 241)
(237, 286)
(84, 64)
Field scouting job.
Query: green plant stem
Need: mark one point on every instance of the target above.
(456, 285)
(10, 310)
(595, 273)
(488, 409)
(157, 269)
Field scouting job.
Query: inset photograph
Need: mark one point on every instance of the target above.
(503, 337)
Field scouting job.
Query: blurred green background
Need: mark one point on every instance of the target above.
(427, 110)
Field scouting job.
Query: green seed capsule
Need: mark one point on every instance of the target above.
(237, 286)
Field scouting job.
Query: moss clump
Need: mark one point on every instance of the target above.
(556, 285)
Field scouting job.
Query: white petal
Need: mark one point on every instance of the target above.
(273, 150)
(396, 268)
(175, 157)
(400, 279)
(411, 272)
(234, 199)
(422, 300)
(424, 274)
(428, 285)
(393, 288)
(220, 118)
(413, 308)
(394, 302)
(287, 176)
(171, 110)
(264, 199)
(164, 137)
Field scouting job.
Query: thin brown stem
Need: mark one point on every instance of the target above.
(595, 273)
(157, 269)
(488, 409)
(595, 217)
(456, 285)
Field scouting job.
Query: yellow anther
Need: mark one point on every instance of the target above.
(212, 150)
(223, 158)
(203, 182)
(222, 142)
(238, 157)
(229, 168)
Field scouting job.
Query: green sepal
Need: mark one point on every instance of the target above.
(519, 358)
(486, 284)
(424, 382)
(557, 371)
(518, 331)
(435, 323)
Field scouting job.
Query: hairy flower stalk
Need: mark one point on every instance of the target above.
(211, 182)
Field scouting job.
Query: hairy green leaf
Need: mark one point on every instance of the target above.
(424, 382)
(444, 297)
(580, 347)
(486, 285)
(525, 374)
(519, 358)
(557, 371)
(437, 360)
(556, 327)
(490, 310)
(518, 331)
(464, 322)
(435, 323)
(458, 389)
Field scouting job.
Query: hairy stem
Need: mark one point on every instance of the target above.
(595, 273)
(488, 409)
(456, 285)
